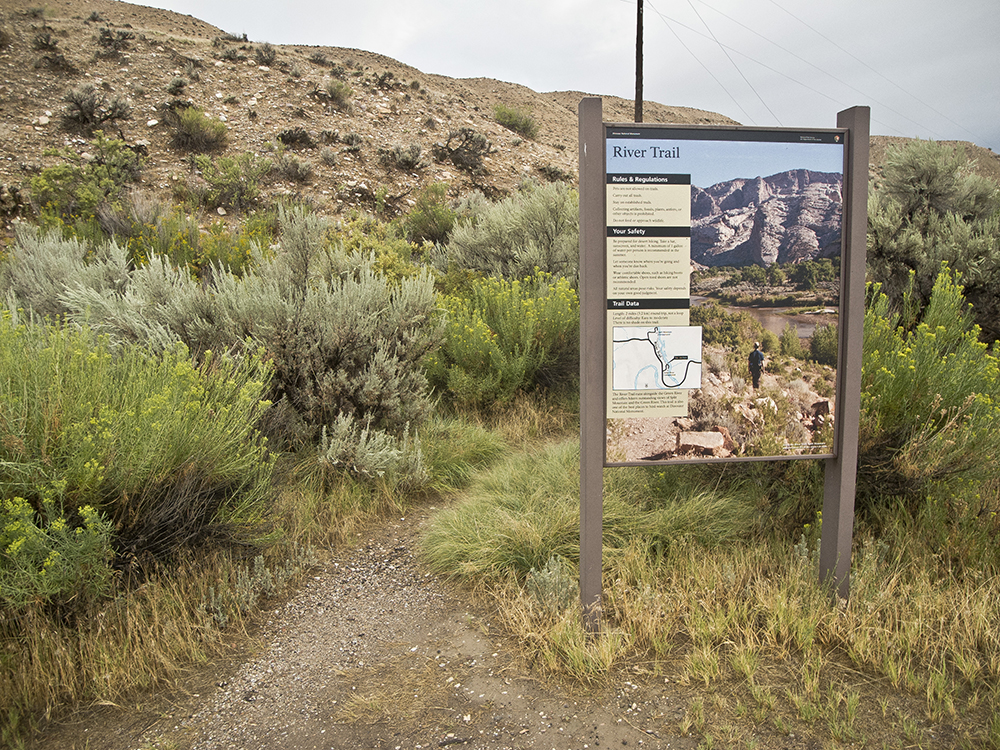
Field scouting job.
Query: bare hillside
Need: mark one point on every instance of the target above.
(138, 54)
(156, 60)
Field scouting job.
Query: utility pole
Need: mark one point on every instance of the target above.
(638, 64)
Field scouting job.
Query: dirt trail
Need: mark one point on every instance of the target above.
(375, 652)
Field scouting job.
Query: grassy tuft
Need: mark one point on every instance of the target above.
(518, 120)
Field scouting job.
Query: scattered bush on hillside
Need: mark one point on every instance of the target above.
(13, 202)
(294, 168)
(176, 86)
(113, 43)
(88, 108)
(78, 186)
(431, 219)
(233, 181)
(328, 156)
(410, 158)
(265, 54)
(518, 120)
(44, 41)
(930, 399)
(503, 337)
(465, 148)
(339, 94)
(552, 173)
(352, 143)
(296, 138)
(536, 228)
(929, 208)
(195, 131)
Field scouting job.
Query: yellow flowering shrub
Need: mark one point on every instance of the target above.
(507, 336)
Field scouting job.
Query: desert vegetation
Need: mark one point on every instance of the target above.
(192, 407)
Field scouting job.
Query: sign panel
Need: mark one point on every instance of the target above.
(722, 256)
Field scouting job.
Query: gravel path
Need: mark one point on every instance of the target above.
(375, 652)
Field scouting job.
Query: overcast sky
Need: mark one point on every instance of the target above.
(926, 69)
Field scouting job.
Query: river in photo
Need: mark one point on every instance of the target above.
(774, 319)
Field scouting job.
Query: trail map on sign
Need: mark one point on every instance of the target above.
(656, 358)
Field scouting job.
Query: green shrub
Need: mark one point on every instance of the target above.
(343, 338)
(379, 245)
(47, 557)
(930, 399)
(431, 219)
(536, 228)
(88, 108)
(518, 120)
(347, 446)
(789, 343)
(265, 54)
(465, 148)
(507, 336)
(339, 94)
(167, 451)
(114, 42)
(233, 181)
(732, 331)
(195, 131)
(927, 209)
(823, 345)
(79, 186)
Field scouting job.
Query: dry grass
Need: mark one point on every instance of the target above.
(746, 629)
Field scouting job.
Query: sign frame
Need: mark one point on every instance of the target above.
(840, 465)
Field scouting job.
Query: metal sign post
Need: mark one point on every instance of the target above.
(592, 357)
(841, 471)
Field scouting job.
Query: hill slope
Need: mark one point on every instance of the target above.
(140, 54)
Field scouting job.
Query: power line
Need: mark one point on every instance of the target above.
(873, 70)
(729, 57)
(698, 60)
(816, 67)
(667, 20)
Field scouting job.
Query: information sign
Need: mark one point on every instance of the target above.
(690, 331)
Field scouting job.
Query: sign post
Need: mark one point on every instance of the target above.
(592, 357)
(841, 471)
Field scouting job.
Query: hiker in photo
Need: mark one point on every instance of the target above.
(756, 362)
